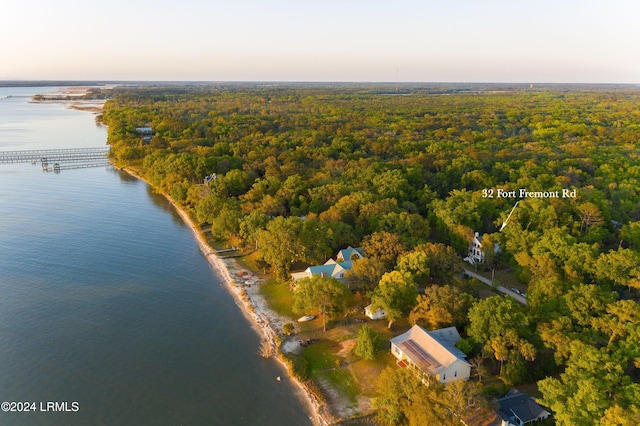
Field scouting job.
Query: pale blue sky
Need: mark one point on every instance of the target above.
(350, 40)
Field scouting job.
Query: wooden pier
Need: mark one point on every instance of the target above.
(57, 167)
(55, 155)
(59, 159)
(227, 250)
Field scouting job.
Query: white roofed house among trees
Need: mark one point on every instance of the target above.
(432, 353)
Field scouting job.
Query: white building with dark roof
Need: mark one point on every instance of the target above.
(518, 409)
(432, 353)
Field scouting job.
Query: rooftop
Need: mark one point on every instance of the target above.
(430, 350)
(522, 406)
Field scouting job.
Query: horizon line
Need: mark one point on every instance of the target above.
(366, 82)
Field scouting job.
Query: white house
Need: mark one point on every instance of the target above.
(476, 252)
(331, 268)
(350, 253)
(379, 314)
(432, 353)
(144, 130)
(518, 409)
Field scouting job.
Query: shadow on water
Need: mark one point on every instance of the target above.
(158, 199)
(161, 202)
(106, 302)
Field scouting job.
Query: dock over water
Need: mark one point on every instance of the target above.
(73, 154)
(59, 159)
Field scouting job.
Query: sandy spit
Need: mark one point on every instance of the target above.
(73, 99)
(243, 285)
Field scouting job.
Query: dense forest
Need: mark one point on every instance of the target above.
(410, 173)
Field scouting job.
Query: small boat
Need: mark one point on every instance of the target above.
(306, 318)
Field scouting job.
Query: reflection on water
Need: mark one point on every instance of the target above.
(106, 301)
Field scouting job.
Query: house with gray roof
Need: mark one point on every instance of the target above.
(518, 409)
(432, 353)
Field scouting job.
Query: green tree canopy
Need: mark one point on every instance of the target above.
(415, 263)
(384, 246)
(500, 324)
(366, 273)
(367, 342)
(441, 306)
(320, 294)
(404, 400)
(279, 244)
(396, 293)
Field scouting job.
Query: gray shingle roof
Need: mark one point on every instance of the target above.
(520, 405)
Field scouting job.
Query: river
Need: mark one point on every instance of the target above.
(107, 305)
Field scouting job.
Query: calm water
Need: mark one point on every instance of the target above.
(105, 298)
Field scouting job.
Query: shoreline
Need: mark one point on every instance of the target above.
(72, 97)
(246, 295)
(241, 282)
(252, 305)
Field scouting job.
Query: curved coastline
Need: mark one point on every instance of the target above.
(252, 304)
(248, 298)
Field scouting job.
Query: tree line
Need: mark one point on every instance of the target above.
(303, 171)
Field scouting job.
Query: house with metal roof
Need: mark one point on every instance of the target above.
(331, 269)
(350, 253)
(432, 353)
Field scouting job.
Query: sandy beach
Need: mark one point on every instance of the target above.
(72, 97)
(243, 285)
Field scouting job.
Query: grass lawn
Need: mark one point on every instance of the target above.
(478, 289)
(530, 389)
(249, 262)
(366, 372)
(279, 297)
(330, 358)
(324, 364)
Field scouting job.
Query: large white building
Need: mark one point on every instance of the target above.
(476, 254)
(432, 353)
(476, 251)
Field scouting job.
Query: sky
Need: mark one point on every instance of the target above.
(543, 41)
